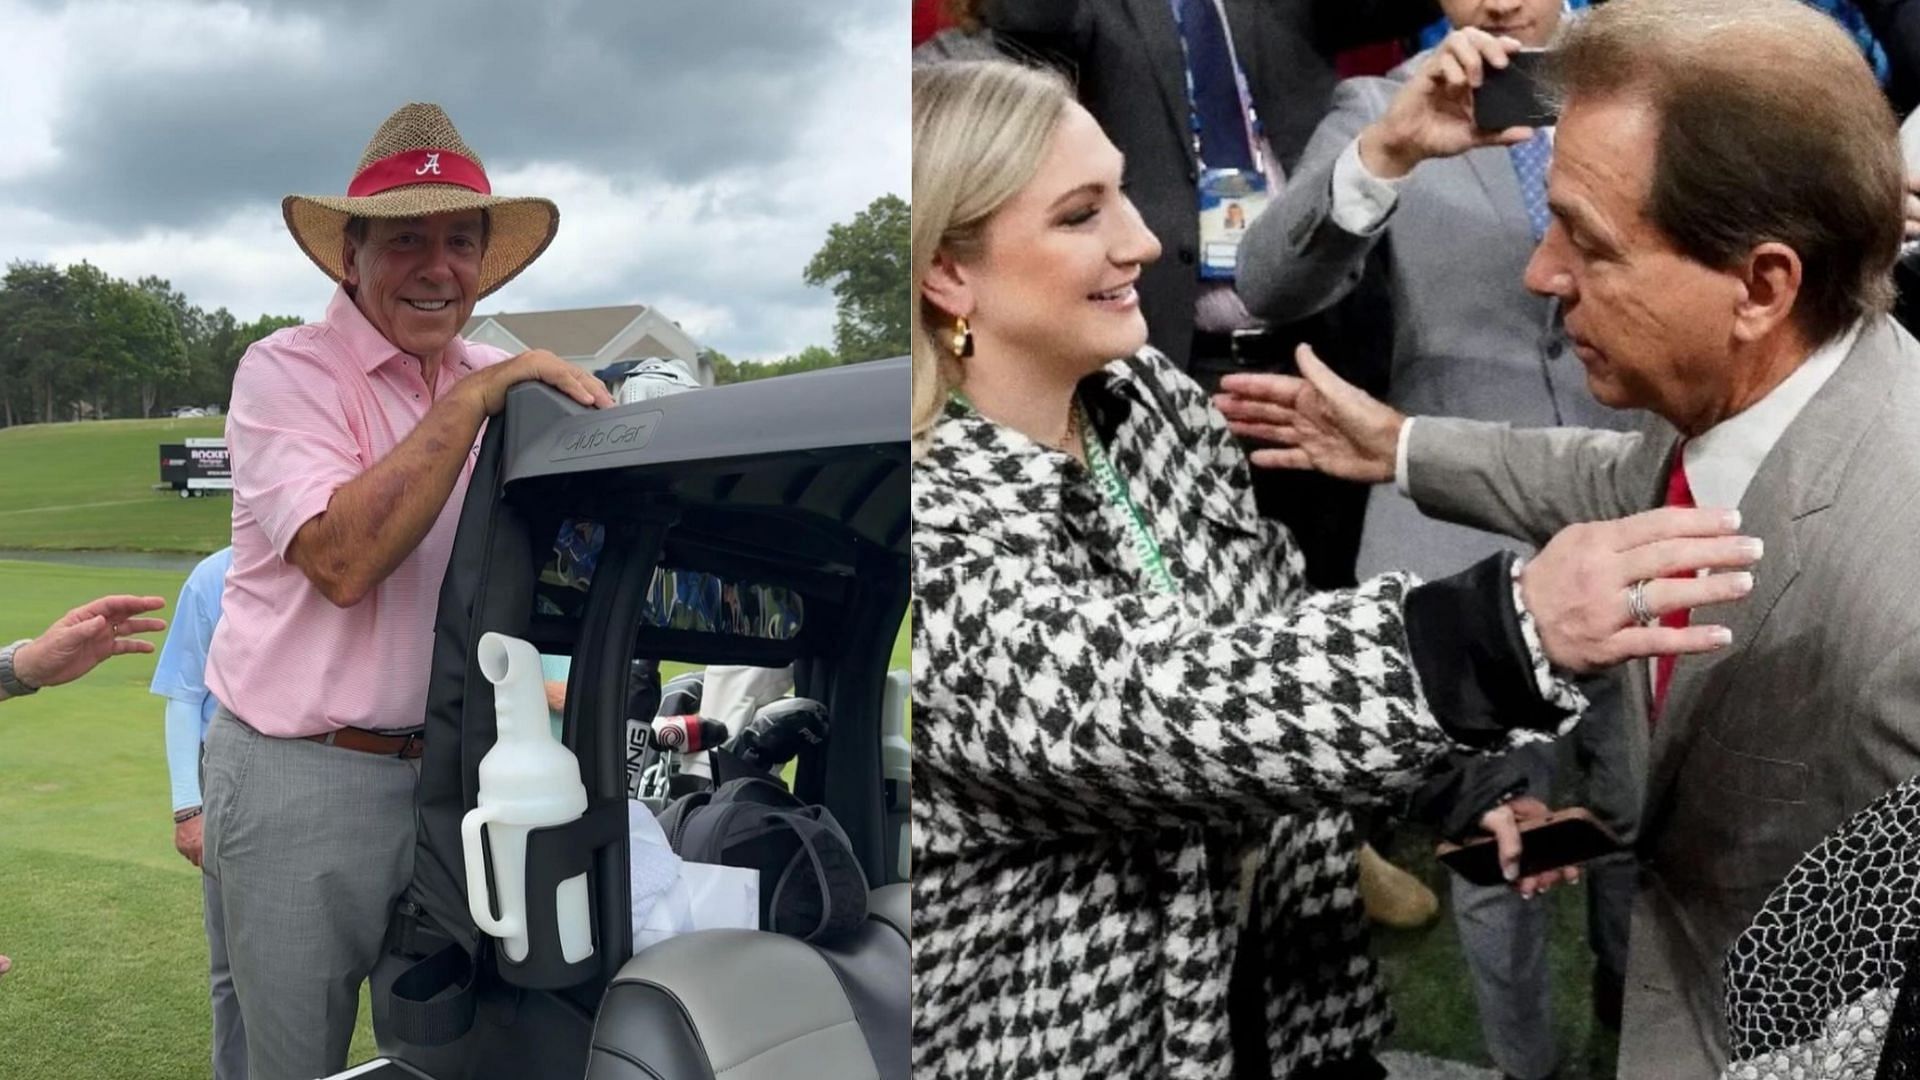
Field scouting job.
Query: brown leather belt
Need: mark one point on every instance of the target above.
(372, 742)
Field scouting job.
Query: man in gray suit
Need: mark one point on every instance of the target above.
(1394, 183)
(1726, 198)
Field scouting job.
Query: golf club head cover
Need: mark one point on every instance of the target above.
(780, 730)
(687, 734)
(681, 694)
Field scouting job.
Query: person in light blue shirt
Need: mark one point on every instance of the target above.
(180, 677)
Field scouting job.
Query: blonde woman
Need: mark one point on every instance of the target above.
(1136, 730)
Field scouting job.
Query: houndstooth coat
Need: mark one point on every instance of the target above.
(1104, 776)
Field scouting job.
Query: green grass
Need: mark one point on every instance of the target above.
(98, 912)
(1433, 994)
(89, 486)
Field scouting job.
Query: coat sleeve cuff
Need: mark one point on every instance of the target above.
(1480, 665)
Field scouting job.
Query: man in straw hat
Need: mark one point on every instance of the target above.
(352, 442)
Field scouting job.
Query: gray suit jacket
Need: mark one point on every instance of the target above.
(1468, 339)
(1766, 747)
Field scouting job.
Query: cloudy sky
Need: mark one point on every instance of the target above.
(698, 149)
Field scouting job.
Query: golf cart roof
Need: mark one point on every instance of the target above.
(820, 449)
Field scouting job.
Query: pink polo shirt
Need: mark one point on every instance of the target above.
(314, 407)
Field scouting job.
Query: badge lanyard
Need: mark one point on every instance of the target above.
(1227, 197)
(1109, 480)
(1239, 84)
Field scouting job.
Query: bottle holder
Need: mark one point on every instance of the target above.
(554, 854)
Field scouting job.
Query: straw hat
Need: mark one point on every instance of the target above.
(416, 165)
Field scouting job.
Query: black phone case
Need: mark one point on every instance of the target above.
(1513, 96)
(1542, 848)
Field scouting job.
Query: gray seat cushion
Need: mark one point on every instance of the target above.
(749, 1005)
(892, 905)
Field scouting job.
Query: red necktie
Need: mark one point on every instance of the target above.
(1679, 493)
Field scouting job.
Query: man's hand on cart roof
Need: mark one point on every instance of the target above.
(536, 365)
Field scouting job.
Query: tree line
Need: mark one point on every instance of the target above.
(865, 263)
(77, 343)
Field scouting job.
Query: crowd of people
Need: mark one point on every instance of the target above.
(1624, 424)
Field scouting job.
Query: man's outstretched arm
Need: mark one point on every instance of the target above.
(78, 641)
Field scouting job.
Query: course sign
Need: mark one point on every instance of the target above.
(196, 466)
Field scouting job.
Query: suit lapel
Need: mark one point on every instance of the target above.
(1161, 37)
(1798, 478)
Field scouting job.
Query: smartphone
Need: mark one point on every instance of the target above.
(1562, 838)
(1514, 96)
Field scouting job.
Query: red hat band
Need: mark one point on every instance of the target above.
(411, 167)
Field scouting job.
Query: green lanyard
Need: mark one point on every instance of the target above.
(1116, 492)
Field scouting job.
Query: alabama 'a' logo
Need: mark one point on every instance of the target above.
(432, 165)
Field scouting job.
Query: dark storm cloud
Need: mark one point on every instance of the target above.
(677, 90)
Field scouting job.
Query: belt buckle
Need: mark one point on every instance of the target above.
(409, 741)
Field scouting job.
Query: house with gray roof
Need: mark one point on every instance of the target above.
(592, 337)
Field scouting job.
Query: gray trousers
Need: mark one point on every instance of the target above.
(229, 1030)
(1504, 938)
(311, 846)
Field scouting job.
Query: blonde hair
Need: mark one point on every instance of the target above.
(980, 130)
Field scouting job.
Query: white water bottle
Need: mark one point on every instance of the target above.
(527, 781)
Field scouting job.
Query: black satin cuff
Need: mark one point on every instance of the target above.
(1464, 636)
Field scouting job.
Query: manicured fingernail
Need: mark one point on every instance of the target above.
(1720, 636)
(1512, 872)
(1743, 582)
(1753, 547)
(1732, 519)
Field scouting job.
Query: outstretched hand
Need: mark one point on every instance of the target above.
(79, 640)
(1317, 420)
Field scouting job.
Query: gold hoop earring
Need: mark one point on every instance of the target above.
(961, 343)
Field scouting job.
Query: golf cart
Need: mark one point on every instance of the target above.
(760, 524)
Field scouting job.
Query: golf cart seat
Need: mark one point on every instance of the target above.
(745, 1004)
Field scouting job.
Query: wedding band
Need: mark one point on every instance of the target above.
(1637, 604)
